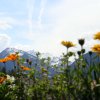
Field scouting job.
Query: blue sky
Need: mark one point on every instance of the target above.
(41, 25)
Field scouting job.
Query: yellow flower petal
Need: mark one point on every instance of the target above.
(67, 44)
(97, 36)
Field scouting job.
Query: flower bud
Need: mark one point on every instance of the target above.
(81, 42)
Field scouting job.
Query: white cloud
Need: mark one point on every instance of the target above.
(8, 22)
(5, 24)
(5, 41)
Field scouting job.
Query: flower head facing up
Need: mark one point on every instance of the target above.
(81, 41)
(67, 44)
(97, 36)
(25, 68)
(96, 48)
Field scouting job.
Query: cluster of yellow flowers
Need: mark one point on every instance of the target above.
(96, 47)
(11, 57)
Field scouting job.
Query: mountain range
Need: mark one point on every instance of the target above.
(92, 59)
(23, 54)
(31, 55)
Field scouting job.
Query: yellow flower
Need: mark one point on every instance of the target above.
(12, 57)
(25, 68)
(96, 48)
(4, 60)
(97, 36)
(67, 44)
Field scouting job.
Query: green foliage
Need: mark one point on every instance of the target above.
(81, 82)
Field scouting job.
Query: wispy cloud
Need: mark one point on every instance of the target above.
(8, 22)
(43, 3)
(64, 20)
(30, 6)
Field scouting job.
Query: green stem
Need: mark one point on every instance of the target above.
(90, 61)
(67, 57)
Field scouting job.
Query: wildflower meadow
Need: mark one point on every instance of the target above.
(78, 82)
